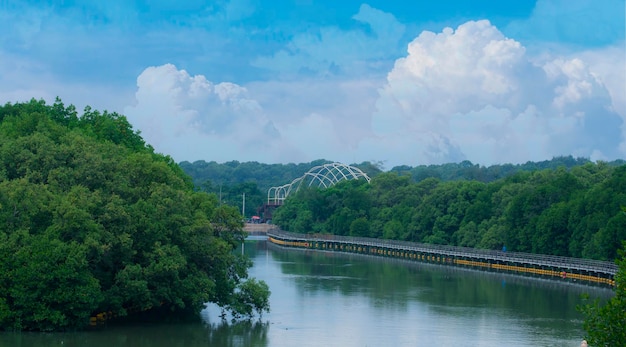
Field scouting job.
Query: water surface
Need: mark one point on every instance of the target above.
(334, 299)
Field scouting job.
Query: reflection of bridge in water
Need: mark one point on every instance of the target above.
(547, 266)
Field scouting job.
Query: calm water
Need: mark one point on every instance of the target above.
(332, 299)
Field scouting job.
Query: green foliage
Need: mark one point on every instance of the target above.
(228, 176)
(230, 180)
(46, 283)
(360, 227)
(252, 296)
(550, 211)
(214, 177)
(473, 172)
(92, 220)
(233, 195)
(605, 324)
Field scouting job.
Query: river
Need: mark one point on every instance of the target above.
(334, 299)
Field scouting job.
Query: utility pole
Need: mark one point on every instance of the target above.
(243, 207)
(243, 213)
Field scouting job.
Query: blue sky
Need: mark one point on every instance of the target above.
(397, 82)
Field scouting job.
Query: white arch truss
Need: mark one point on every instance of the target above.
(322, 176)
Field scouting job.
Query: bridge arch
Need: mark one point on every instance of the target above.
(322, 176)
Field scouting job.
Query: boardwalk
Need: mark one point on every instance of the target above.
(563, 268)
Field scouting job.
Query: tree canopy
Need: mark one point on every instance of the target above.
(466, 170)
(567, 212)
(93, 220)
(230, 180)
(605, 324)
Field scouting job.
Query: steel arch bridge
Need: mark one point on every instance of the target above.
(322, 176)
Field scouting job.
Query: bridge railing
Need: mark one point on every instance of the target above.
(522, 257)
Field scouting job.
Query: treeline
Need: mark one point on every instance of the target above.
(573, 212)
(465, 170)
(229, 181)
(92, 220)
(210, 176)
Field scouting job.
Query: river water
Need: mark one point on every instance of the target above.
(334, 299)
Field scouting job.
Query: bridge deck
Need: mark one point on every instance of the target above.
(544, 265)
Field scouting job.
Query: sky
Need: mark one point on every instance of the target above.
(289, 81)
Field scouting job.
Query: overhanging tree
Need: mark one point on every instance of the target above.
(92, 220)
(605, 324)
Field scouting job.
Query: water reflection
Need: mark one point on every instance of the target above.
(246, 333)
(335, 299)
(456, 295)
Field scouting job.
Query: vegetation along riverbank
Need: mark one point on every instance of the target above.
(93, 221)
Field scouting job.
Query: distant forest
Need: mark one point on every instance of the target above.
(468, 171)
(565, 206)
(211, 175)
(230, 180)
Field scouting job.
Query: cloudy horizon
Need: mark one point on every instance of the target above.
(301, 80)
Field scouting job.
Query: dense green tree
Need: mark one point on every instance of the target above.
(251, 296)
(605, 323)
(552, 235)
(360, 227)
(559, 211)
(491, 234)
(92, 220)
(392, 230)
(264, 175)
(473, 172)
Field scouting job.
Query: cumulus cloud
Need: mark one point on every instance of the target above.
(608, 64)
(465, 93)
(192, 118)
(189, 117)
(472, 93)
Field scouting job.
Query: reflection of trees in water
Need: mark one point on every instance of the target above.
(243, 333)
(396, 283)
(384, 282)
(182, 334)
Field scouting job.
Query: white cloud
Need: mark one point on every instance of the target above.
(191, 118)
(609, 65)
(346, 103)
(469, 93)
(334, 93)
(474, 93)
